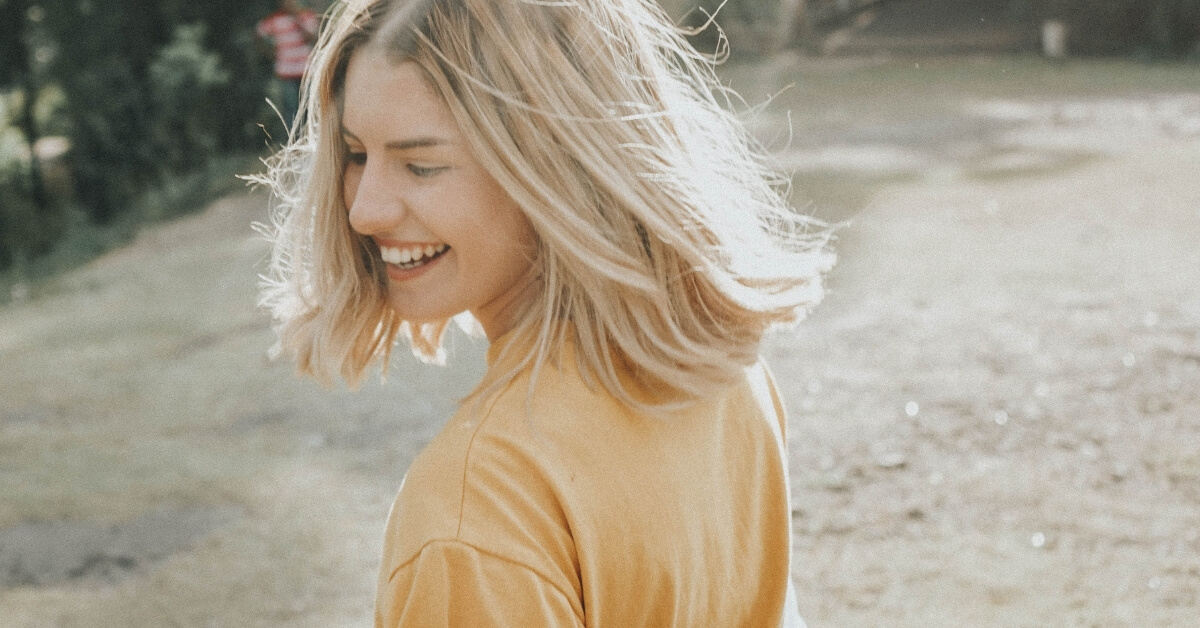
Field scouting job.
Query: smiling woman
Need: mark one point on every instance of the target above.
(451, 238)
(564, 174)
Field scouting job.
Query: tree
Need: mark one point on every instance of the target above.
(182, 77)
(17, 70)
(30, 220)
(146, 100)
(146, 95)
(101, 63)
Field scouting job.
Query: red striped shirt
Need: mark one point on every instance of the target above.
(287, 32)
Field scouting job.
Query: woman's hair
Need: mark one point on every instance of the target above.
(665, 244)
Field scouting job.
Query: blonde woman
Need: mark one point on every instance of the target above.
(565, 174)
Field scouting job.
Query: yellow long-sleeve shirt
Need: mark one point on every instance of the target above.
(567, 509)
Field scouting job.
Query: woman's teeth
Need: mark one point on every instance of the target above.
(413, 256)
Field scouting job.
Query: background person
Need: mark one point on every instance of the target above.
(290, 33)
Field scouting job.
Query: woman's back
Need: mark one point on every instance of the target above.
(565, 508)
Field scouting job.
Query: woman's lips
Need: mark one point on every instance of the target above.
(410, 262)
(411, 255)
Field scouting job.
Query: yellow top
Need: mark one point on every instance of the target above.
(567, 509)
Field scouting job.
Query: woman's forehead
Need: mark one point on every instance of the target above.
(382, 96)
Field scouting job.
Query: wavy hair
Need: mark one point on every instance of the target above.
(665, 244)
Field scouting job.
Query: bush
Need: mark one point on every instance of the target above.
(145, 94)
(76, 239)
(25, 232)
(183, 77)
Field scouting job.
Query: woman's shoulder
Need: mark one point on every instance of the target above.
(507, 473)
(506, 429)
(486, 483)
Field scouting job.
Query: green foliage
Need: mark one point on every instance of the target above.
(147, 90)
(144, 92)
(183, 77)
(25, 231)
(180, 194)
(101, 59)
(229, 34)
(75, 238)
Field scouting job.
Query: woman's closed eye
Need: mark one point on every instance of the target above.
(357, 158)
(425, 171)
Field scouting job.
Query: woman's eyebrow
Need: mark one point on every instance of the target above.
(416, 142)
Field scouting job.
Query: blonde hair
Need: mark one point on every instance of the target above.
(666, 247)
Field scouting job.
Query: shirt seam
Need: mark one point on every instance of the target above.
(491, 554)
(462, 503)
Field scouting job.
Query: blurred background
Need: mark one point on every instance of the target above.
(995, 415)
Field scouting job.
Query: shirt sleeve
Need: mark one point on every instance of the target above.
(264, 28)
(451, 583)
(310, 22)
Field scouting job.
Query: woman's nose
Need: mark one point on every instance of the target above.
(375, 207)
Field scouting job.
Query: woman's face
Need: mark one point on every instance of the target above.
(451, 238)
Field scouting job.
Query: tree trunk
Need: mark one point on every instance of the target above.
(37, 185)
(24, 77)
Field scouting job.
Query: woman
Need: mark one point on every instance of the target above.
(563, 174)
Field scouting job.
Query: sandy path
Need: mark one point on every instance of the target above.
(996, 415)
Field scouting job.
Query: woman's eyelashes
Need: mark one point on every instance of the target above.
(356, 158)
(425, 171)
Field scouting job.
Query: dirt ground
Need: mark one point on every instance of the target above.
(995, 415)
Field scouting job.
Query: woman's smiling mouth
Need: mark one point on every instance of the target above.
(413, 256)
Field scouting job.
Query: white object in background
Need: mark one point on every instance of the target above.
(1054, 39)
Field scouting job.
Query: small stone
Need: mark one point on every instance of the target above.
(1119, 472)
